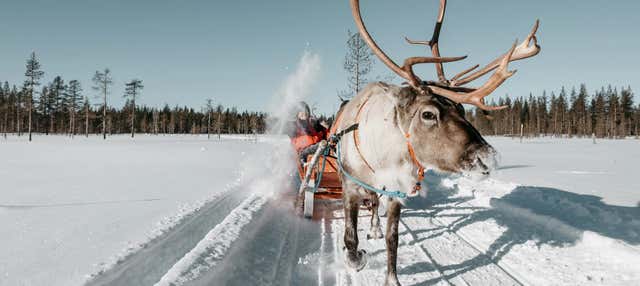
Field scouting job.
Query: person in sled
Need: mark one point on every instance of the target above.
(306, 132)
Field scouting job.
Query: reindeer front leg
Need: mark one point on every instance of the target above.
(356, 259)
(393, 219)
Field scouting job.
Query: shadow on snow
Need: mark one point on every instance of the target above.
(546, 216)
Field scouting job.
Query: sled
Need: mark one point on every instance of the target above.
(319, 179)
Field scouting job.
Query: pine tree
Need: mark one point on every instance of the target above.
(358, 62)
(33, 75)
(86, 107)
(543, 113)
(220, 119)
(562, 112)
(209, 110)
(580, 110)
(102, 82)
(5, 111)
(133, 89)
(626, 111)
(73, 99)
(55, 105)
(613, 109)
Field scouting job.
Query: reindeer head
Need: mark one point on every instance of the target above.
(441, 137)
(431, 111)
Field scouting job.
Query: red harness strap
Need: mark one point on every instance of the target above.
(412, 153)
(355, 134)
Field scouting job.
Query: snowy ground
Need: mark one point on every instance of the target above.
(558, 212)
(68, 206)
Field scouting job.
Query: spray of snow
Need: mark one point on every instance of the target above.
(278, 166)
(265, 175)
(295, 88)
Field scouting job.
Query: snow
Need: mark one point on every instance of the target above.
(73, 207)
(558, 212)
(212, 249)
(202, 212)
(606, 169)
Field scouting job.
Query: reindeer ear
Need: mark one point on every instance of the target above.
(401, 96)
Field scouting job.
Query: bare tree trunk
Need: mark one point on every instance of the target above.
(219, 124)
(30, 112)
(104, 114)
(133, 114)
(613, 124)
(155, 122)
(86, 121)
(6, 121)
(18, 119)
(208, 124)
(357, 71)
(521, 131)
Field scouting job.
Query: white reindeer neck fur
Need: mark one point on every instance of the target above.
(381, 141)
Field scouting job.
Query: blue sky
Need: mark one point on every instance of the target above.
(238, 52)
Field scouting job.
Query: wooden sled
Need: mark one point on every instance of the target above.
(328, 188)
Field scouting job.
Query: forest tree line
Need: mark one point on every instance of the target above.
(607, 113)
(54, 113)
(62, 107)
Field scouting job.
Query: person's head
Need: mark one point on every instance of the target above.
(302, 111)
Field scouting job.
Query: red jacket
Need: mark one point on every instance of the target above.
(306, 134)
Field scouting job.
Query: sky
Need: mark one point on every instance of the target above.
(239, 52)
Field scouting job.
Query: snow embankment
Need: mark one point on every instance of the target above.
(213, 247)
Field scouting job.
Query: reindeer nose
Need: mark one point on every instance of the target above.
(482, 167)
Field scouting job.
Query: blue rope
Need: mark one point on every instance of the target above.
(325, 153)
(393, 194)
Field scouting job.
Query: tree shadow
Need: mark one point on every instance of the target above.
(514, 167)
(545, 216)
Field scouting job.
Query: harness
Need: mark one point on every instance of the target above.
(335, 138)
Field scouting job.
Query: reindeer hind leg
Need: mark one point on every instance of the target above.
(375, 231)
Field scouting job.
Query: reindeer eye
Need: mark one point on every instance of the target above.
(428, 115)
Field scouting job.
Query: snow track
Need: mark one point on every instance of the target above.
(212, 249)
(464, 233)
(150, 263)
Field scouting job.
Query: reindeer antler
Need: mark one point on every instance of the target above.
(433, 43)
(406, 71)
(452, 89)
(522, 51)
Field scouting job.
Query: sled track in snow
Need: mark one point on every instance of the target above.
(149, 264)
(246, 239)
(428, 254)
(237, 239)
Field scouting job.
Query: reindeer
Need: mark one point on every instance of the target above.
(402, 131)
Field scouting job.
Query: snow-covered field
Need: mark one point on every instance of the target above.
(68, 206)
(188, 211)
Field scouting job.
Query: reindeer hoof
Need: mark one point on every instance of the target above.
(375, 233)
(392, 280)
(359, 262)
